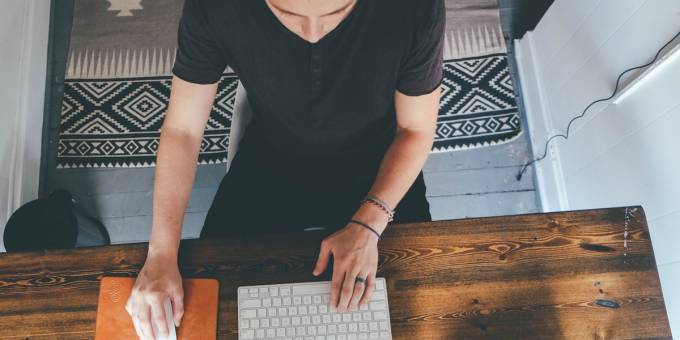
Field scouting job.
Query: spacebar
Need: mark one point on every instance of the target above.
(311, 289)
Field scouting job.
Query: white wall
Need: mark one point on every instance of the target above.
(24, 29)
(620, 154)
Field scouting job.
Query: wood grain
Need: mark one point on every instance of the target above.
(557, 275)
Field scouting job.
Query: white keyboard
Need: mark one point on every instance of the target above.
(300, 311)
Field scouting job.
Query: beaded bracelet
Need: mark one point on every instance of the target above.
(366, 226)
(380, 204)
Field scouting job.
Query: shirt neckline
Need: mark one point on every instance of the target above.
(281, 27)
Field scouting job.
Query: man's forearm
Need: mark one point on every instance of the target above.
(403, 161)
(174, 177)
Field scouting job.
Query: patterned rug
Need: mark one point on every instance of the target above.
(119, 69)
(477, 106)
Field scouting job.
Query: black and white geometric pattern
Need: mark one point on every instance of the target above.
(477, 105)
(116, 122)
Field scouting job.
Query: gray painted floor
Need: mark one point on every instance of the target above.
(460, 184)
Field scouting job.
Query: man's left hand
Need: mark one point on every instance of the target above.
(355, 255)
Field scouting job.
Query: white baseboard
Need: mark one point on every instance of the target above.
(549, 178)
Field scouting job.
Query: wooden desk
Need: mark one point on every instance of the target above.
(529, 276)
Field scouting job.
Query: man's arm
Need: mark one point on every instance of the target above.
(354, 248)
(405, 158)
(181, 136)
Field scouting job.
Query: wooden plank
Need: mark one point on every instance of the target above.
(121, 204)
(510, 154)
(130, 229)
(114, 180)
(489, 204)
(528, 276)
(477, 181)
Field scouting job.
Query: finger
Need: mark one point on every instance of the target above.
(135, 322)
(370, 288)
(359, 288)
(336, 285)
(144, 319)
(347, 289)
(322, 262)
(177, 306)
(158, 316)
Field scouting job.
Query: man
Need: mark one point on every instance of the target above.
(345, 95)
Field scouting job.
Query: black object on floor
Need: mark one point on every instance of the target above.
(52, 223)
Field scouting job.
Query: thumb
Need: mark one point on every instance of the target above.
(177, 307)
(322, 261)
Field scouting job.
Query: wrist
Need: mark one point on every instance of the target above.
(372, 216)
(162, 253)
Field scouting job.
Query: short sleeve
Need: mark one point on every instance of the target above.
(421, 69)
(199, 58)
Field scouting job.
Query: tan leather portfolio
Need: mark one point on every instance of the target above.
(200, 309)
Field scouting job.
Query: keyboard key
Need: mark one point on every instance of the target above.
(297, 300)
(380, 315)
(248, 313)
(271, 333)
(285, 291)
(274, 291)
(250, 304)
(378, 295)
(366, 316)
(280, 332)
(264, 323)
(379, 284)
(267, 302)
(247, 334)
(276, 302)
(352, 327)
(378, 305)
(287, 301)
(302, 310)
(261, 313)
(259, 333)
(373, 326)
(373, 335)
(317, 299)
(255, 323)
(245, 324)
(383, 326)
(307, 300)
(311, 289)
(283, 311)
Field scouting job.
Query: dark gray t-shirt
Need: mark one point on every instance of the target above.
(332, 98)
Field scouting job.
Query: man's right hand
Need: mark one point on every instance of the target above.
(159, 279)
